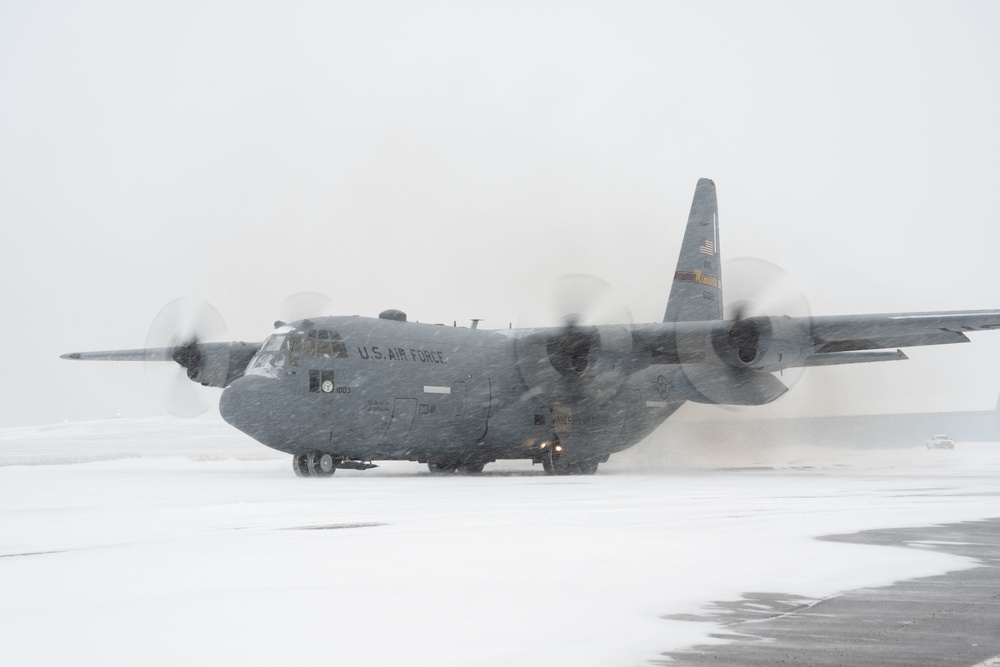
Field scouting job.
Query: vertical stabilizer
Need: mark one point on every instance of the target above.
(696, 293)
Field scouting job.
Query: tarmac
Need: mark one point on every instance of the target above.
(947, 620)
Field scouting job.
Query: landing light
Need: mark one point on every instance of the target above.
(558, 448)
(543, 445)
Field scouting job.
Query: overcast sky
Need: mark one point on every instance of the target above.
(448, 158)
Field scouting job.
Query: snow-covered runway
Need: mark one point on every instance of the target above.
(164, 560)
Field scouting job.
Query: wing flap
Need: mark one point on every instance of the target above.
(886, 342)
(841, 358)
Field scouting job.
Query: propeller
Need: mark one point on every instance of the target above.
(302, 305)
(575, 299)
(753, 288)
(575, 360)
(182, 324)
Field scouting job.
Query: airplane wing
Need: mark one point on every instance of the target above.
(819, 340)
(852, 339)
(211, 364)
(148, 354)
(841, 333)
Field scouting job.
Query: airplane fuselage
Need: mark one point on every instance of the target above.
(368, 389)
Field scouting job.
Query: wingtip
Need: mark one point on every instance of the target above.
(71, 355)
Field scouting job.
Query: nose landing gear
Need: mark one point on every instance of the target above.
(324, 464)
(314, 464)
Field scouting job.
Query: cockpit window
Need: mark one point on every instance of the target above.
(292, 344)
(270, 360)
(326, 344)
(287, 349)
(324, 348)
(293, 347)
(272, 344)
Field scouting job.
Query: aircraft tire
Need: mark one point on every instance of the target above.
(300, 465)
(471, 468)
(441, 468)
(320, 464)
(560, 466)
(556, 465)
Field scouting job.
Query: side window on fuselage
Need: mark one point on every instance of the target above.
(321, 381)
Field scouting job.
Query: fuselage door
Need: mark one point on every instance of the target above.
(403, 410)
(470, 410)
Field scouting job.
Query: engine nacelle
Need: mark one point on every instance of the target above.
(576, 363)
(762, 343)
(215, 364)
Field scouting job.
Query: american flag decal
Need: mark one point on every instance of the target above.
(707, 247)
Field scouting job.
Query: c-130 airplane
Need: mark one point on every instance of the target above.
(341, 392)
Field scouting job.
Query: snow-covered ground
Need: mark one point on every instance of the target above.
(204, 548)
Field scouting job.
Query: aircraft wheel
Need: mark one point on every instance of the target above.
(300, 465)
(471, 468)
(327, 464)
(562, 466)
(320, 464)
(547, 466)
(438, 467)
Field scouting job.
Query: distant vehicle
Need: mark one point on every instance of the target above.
(940, 442)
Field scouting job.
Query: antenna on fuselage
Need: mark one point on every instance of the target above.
(475, 323)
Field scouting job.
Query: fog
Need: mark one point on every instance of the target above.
(450, 159)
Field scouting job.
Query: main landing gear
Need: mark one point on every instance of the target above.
(554, 464)
(323, 464)
(450, 467)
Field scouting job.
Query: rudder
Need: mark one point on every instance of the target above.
(696, 292)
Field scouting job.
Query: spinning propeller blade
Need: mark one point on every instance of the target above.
(181, 325)
(585, 356)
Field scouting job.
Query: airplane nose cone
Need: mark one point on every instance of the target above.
(252, 404)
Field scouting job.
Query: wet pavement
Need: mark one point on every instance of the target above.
(945, 620)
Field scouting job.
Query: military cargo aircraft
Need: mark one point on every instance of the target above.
(342, 392)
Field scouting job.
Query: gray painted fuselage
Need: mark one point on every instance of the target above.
(407, 391)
